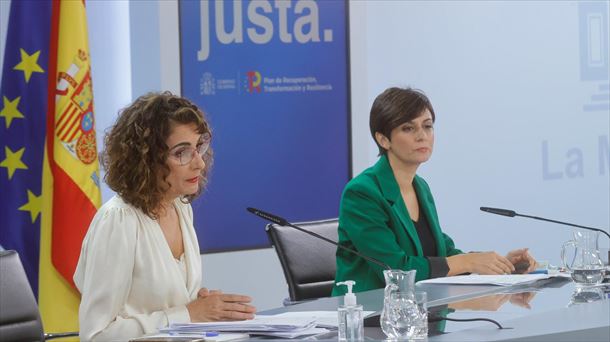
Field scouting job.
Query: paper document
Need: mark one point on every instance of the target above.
(324, 319)
(259, 323)
(288, 334)
(163, 337)
(284, 325)
(477, 279)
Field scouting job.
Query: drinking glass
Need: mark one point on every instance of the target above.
(421, 325)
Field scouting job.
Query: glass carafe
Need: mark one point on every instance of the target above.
(586, 265)
(400, 310)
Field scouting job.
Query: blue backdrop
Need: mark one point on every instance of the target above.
(272, 77)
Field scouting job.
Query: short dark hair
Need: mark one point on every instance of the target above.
(135, 150)
(394, 107)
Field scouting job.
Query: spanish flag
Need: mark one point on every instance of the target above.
(49, 172)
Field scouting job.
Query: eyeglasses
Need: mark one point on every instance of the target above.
(185, 154)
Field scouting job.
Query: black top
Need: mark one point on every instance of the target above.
(438, 265)
(426, 238)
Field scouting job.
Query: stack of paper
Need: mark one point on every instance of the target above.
(216, 337)
(285, 326)
(477, 279)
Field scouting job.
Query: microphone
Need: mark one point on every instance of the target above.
(511, 213)
(497, 211)
(283, 222)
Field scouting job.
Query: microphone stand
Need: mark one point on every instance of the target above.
(512, 213)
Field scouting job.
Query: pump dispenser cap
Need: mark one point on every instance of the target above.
(350, 298)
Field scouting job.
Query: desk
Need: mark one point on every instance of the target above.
(551, 317)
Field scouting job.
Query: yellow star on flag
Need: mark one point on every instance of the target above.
(10, 111)
(28, 64)
(34, 205)
(13, 161)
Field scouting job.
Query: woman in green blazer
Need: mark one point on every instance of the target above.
(388, 213)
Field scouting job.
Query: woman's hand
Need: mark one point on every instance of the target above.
(481, 263)
(203, 292)
(216, 306)
(522, 257)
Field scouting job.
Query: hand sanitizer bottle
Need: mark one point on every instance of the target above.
(351, 319)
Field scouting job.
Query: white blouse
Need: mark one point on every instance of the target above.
(129, 280)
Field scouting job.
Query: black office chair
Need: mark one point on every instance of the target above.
(19, 315)
(308, 262)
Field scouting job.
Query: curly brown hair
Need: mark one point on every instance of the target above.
(135, 151)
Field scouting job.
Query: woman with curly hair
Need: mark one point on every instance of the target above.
(139, 268)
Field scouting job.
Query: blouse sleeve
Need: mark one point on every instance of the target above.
(104, 278)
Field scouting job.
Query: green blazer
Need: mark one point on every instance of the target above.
(374, 220)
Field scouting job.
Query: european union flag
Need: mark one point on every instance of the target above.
(23, 120)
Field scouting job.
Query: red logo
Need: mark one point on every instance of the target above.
(254, 81)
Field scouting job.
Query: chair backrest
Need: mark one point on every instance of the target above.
(19, 316)
(308, 262)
